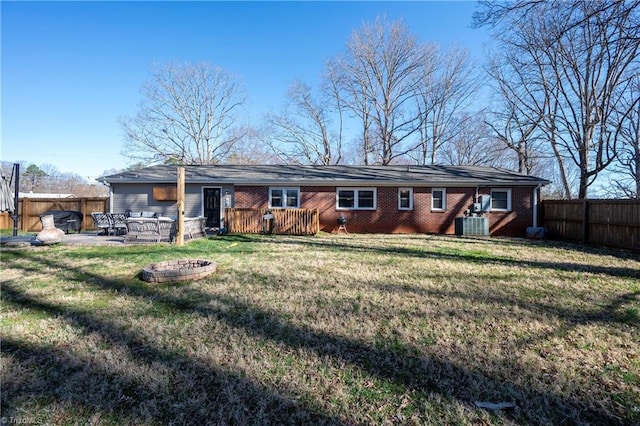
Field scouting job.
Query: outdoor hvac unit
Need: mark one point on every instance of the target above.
(472, 226)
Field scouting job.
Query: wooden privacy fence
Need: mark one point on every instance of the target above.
(285, 221)
(613, 223)
(30, 209)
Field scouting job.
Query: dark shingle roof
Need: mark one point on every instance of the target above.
(330, 175)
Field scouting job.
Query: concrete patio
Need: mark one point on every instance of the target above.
(81, 238)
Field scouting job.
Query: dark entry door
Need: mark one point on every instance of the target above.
(212, 206)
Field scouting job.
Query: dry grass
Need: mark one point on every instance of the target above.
(334, 330)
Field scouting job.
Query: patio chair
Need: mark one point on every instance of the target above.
(118, 223)
(102, 221)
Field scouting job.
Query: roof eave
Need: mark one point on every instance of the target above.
(359, 183)
(372, 183)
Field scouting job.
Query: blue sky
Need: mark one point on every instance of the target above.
(71, 69)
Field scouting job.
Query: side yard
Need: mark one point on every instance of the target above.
(357, 329)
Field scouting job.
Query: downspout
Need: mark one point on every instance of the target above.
(535, 205)
(475, 200)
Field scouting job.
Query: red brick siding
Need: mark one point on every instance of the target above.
(515, 222)
(251, 197)
(387, 218)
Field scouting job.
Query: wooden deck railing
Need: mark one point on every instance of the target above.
(285, 221)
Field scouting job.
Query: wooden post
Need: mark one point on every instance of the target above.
(83, 209)
(585, 221)
(26, 214)
(181, 194)
(16, 198)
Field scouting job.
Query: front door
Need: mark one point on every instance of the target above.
(212, 207)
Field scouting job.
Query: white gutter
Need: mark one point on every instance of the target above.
(337, 182)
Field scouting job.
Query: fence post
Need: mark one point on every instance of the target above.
(26, 210)
(83, 209)
(585, 221)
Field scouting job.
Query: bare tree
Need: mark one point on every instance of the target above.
(350, 94)
(378, 76)
(529, 90)
(595, 61)
(473, 145)
(446, 89)
(494, 13)
(517, 135)
(512, 121)
(302, 134)
(48, 179)
(187, 116)
(251, 149)
(52, 179)
(627, 166)
(582, 54)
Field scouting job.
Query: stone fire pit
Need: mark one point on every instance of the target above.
(178, 270)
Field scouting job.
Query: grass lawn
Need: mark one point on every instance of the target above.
(323, 330)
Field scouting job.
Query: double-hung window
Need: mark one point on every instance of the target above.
(439, 199)
(501, 200)
(284, 198)
(405, 198)
(356, 198)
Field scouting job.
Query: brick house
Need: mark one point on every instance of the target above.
(372, 199)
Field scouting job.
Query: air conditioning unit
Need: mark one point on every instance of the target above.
(478, 226)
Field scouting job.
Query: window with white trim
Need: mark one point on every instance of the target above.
(501, 200)
(405, 198)
(284, 198)
(356, 198)
(438, 199)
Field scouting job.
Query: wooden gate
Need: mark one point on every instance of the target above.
(30, 209)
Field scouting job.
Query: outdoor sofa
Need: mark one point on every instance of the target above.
(146, 226)
(162, 229)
